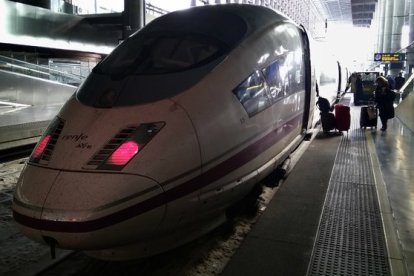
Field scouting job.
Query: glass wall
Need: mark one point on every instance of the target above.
(87, 7)
(63, 70)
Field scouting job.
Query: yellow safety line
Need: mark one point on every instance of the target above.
(395, 255)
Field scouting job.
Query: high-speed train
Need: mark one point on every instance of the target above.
(177, 124)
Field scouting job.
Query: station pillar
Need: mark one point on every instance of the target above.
(410, 50)
(389, 12)
(381, 23)
(133, 17)
(397, 25)
(398, 22)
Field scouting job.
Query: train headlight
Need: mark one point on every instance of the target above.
(124, 146)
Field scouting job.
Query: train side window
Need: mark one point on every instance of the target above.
(273, 78)
(285, 75)
(252, 94)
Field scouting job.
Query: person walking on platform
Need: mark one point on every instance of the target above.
(399, 81)
(391, 82)
(351, 83)
(384, 98)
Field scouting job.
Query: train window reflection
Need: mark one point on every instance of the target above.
(285, 76)
(252, 94)
(273, 78)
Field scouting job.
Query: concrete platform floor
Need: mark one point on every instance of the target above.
(283, 240)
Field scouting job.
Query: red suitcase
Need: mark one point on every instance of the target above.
(342, 117)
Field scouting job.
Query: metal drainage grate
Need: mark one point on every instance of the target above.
(350, 239)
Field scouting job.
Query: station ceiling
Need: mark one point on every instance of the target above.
(359, 12)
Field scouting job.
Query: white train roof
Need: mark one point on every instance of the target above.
(227, 23)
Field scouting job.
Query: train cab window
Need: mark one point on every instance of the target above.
(252, 94)
(175, 54)
(160, 54)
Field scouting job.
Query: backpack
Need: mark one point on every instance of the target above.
(328, 121)
(323, 104)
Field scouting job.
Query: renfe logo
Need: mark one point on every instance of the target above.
(79, 139)
(75, 137)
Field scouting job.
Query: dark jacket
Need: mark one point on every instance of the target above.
(399, 81)
(359, 86)
(391, 82)
(385, 102)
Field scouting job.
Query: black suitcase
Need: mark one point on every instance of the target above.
(328, 121)
(365, 120)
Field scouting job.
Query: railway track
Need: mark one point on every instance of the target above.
(14, 153)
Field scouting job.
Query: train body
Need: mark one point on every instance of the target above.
(177, 124)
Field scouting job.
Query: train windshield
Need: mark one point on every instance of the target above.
(166, 57)
(160, 54)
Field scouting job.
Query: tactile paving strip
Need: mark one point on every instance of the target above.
(350, 238)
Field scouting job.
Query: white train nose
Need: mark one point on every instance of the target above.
(82, 209)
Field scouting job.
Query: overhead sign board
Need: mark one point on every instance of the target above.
(388, 57)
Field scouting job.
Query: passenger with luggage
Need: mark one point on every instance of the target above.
(384, 97)
(351, 83)
(327, 117)
(341, 120)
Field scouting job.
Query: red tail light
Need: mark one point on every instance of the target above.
(37, 153)
(123, 154)
(44, 149)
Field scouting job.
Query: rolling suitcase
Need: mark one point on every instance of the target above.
(368, 117)
(328, 121)
(342, 117)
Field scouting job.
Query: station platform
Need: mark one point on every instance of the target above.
(27, 104)
(345, 209)
(24, 125)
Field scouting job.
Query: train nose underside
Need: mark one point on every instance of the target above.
(53, 205)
